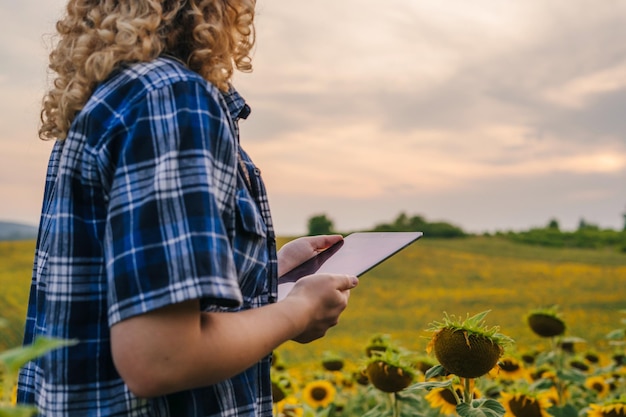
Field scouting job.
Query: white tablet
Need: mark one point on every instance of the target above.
(356, 254)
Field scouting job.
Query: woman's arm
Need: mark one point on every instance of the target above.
(178, 347)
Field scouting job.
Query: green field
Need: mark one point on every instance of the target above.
(16, 263)
(404, 295)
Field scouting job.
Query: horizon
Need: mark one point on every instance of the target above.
(388, 221)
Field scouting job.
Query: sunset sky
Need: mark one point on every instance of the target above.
(489, 114)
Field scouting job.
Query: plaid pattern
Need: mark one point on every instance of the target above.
(149, 201)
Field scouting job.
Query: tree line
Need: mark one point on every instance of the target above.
(587, 235)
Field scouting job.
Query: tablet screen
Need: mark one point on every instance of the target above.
(356, 254)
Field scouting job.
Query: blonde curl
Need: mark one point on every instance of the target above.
(213, 37)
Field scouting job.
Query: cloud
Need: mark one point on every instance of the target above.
(578, 92)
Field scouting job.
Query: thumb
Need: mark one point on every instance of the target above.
(349, 282)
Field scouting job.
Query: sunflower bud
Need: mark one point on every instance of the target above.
(467, 348)
(387, 377)
(464, 354)
(546, 323)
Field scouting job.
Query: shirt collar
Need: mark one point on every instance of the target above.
(236, 104)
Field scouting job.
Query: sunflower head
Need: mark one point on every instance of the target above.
(289, 407)
(443, 399)
(379, 343)
(332, 362)
(319, 393)
(525, 404)
(598, 384)
(277, 363)
(545, 322)
(510, 368)
(613, 408)
(446, 400)
(423, 363)
(389, 372)
(281, 387)
(467, 348)
(592, 357)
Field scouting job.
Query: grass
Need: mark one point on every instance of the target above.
(402, 296)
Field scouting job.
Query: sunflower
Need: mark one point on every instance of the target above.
(552, 395)
(546, 322)
(389, 372)
(289, 407)
(361, 378)
(543, 372)
(579, 364)
(467, 348)
(617, 409)
(423, 364)
(510, 369)
(319, 394)
(598, 384)
(332, 362)
(445, 400)
(378, 344)
(592, 357)
(529, 357)
(282, 387)
(525, 405)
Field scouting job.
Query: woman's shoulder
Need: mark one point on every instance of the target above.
(131, 83)
(136, 80)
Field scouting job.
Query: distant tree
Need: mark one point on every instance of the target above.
(553, 224)
(404, 223)
(583, 225)
(624, 229)
(320, 225)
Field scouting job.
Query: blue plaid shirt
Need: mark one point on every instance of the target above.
(149, 201)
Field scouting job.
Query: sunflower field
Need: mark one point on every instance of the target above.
(555, 346)
(478, 326)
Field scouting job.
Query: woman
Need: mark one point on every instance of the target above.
(156, 250)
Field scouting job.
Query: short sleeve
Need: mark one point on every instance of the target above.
(171, 203)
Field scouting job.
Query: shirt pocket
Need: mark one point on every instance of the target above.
(250, 250)
(249, 218)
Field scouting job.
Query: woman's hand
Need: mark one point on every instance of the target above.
(320, 298)
(302, 249)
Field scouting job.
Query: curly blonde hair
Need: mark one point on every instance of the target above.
(213, 37)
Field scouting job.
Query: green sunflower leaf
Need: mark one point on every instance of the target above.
(380, 410)
(18, 411)
(14, 359)
(481, 408)
(429, 385)
(571, 375)
(541, 384)
(434, 372)
(567, 410)
(618, 334)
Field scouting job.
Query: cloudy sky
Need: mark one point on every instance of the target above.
(489, 114)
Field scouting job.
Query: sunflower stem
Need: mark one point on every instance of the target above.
(456, 396)
(559, 366)
(395, 404)
(467, 390)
